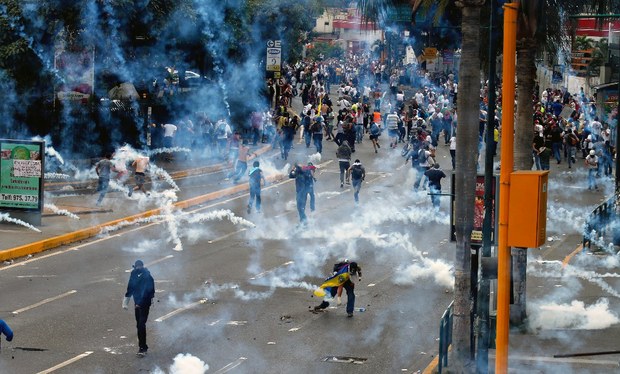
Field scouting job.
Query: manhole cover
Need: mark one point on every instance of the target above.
(345, 360)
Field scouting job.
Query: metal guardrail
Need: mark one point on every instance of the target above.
(600, 223)
(445, 336)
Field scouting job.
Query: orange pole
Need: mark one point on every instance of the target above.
(507, 165)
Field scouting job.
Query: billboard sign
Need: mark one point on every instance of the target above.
(476, 233)
(21, 174)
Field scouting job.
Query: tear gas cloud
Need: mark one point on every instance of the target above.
(185, 363)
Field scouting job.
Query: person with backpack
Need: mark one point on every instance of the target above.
(342, 277)
(301, 176)
(317, 133)
(358, 174)
(375, 132)
(343, 154)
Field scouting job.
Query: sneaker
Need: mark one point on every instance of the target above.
(249, 209)
(130, 193)
(141, 353)
(341, 185)
(349, 315)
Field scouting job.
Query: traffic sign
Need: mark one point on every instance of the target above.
(274, 55)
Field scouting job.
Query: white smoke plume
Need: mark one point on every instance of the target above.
(439, 271)
(576, 315)
(185, 363)
(61, 212)
(55, 176)
(7, 218)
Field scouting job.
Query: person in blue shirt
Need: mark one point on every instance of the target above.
(141, 287)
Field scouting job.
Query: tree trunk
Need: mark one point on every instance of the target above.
(524, 126)
(524, 130)
(465, 184)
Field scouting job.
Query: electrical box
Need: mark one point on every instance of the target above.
(527, 214)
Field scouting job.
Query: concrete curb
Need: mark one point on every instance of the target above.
(89, 232)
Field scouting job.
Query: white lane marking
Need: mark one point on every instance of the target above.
(214, 322)
(68, 362)
(153, 263)
(75, 248)
(231, 366)
(48, 300)
(36, 276)
(225, 236)
(237, 323)
(294, 329)
(177, 311)
(561, 360)
(260, 275)
(372, 284)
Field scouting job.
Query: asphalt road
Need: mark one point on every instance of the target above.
(235, 295)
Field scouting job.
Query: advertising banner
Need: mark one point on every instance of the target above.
(21, 174)
(476, 234)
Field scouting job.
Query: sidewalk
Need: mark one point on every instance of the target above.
(56, 230)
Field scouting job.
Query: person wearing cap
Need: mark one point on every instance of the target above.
(591, 162)
(141, 287)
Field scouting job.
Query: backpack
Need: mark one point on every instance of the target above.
(374, 129)
(315, 127)
(573, 139)
(356, 172)
(422, 156)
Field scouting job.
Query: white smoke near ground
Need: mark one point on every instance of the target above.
(561, 218)
(185, 363)
(439, 271)
(576, 315)
(7, 218)
(315, 158)
(219, 215)
(570, 273)
(61, 212)
(48, 176)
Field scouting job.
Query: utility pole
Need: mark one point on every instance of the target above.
(484, 291)
(507, 164)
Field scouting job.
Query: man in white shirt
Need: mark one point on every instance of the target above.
(169, 131)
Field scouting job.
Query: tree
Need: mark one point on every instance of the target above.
(465, 179)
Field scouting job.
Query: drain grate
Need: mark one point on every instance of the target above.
(345, 360)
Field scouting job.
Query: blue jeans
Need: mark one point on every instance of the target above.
(307, 138)
(302, 197)
(359, 133)
(357, 186)
(350, 288)
(434, 197)
(592, 178)
(318, 141)
(255, 196)
(102, 188)
(537, 160)
(556, 147)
